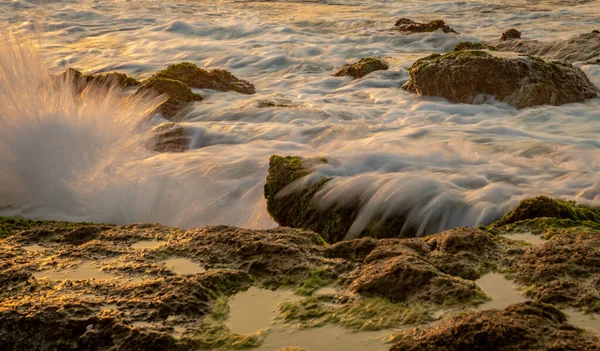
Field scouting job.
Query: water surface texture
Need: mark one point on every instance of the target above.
(449, 164)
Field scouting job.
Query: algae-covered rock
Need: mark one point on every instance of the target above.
(101, 80)
(543, 206)
(409, 26)
(521, 81)
(362, 67)
(292, 204)
(468, 45)
(511, 34)
(196, 77)
(169, 137)
(526, 326)
(180, 96)
(583, 47)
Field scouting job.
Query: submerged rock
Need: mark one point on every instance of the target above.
(521, 81)
(362, 67)
(105, 80)
(409, 26)
(510, 34)
(180, 96)
(583, 47)
(196, 77)
(526, 326)
(467, 45)
(292, 204)
(170, 137)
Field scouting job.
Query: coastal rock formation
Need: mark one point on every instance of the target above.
(362, 67)
(521, 81)
(106, 80)
(169, 137)
(407, 25)
(297, 208)
(511, 34)
(526, 326)
(583, 47)
(180, 96)
(196, 77)
(467, 45)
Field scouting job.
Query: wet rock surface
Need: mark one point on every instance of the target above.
(91, 286)
(101, 80)
(583, 47)
(407, 25)
(170, 137)
(362, 67)
(521, 81)
(196, 77)
(179, 95)
(511, 34)
(467, 45)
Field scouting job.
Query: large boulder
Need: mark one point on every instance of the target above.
(180, 96)
(362, 67)
(521, 81)
(407, 25)
(291, 203)
(196, 77)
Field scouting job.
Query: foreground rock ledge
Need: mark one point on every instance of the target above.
(521, 81)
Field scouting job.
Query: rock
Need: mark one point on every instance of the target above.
(280, 103)
(362, 67)
(81, 81)
(196, 77)
(180, 96)
(543, 206)
(467, 45)
(521, 81)
(583, 47)
(169, 137)
(297, 208)
(409, 26)
(510, 34)
(526, 326)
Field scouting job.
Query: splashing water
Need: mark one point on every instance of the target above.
(446, 165)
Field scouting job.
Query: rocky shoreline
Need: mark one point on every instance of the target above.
(104, 287)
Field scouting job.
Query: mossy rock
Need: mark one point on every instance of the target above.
(196, 77)
(105, 80)
(407, 25)
(362, 67)
(521, 81)
(297, 208)
(469, 45)
(542, 206)
(180, 96)
(169, 137)
(511, 34)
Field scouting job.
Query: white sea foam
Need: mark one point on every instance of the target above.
(445, 164)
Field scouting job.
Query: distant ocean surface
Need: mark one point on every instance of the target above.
(449, 164)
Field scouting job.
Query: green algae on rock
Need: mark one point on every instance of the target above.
(468, 45)
(106, 80)
(362, 67)
(196, 77)
(543, 206)
(292, 204)
(521, 81)
(526, 326)
(180, 96)
(511, 34)
(169, 137)
(409, 26)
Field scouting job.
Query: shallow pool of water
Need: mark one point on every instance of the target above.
(148, 244)
(83, 271)
(502, 291)
(184, 266)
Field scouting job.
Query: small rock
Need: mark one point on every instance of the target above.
(510, 35)
(362, 67)
(409, 26)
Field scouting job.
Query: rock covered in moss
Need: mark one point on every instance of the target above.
(169, 137)
(196, 77)
(409, 26)
(468, 45)
(526, 326)
(105, 80)
(295, 207)
(521, 81)
(510, 34)
(362, 67)
(180, 96)
(583, 47)
(543, 206)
